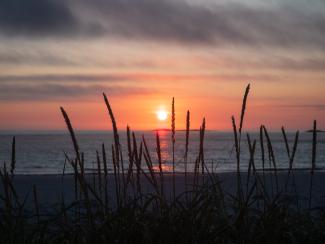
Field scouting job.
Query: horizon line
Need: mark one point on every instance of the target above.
(54, 131)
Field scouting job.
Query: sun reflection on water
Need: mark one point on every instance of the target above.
(164, 167)
(165, 141)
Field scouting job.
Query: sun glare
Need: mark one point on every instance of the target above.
(162, 115)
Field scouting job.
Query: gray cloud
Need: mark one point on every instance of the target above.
(279, 63)
(21, 58)
(41, 18)
(310, 106)
(63, 78)
(135, 77)
(54, 92)
(289, 25)
(305, 64)
(316, 106)
(35, 17)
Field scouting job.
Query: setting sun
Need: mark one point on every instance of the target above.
(162, 115)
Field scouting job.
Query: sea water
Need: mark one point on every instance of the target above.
(43, 152)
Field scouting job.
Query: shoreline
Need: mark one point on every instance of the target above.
(94, 172)
(51, 188)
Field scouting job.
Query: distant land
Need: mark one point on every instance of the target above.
(318, 131)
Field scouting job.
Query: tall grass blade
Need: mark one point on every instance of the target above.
(272, 156)
(13, 156)
(173, 144)
(313, 162)
(158, 149)
(36, 205)
(242, 115)
(186, 149)
(116, 139)
(72, 134)
(239, 190)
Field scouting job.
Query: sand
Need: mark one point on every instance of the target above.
(51, 188)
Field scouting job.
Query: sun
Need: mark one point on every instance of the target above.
(162, 115)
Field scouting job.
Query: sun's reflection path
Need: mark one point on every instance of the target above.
(165, 150)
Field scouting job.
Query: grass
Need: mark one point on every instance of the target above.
(202, 212)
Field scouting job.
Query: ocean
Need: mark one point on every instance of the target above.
(43, 152)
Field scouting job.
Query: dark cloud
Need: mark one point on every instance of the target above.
(297, 64)
(54, 92)
(268, 62)
(63, 78)
(230, 24)
(307, 106)
(37, 18)
(286, 25)
(16, 58)
(136, 77)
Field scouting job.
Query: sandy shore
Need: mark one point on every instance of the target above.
(50, 188)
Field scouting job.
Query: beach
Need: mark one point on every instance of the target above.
(51, 188)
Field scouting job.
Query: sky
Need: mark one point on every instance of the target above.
(142, 53)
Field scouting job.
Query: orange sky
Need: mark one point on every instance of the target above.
(139, 111)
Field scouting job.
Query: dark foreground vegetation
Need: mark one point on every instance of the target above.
(258, 211)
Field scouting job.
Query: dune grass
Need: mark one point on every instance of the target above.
(202, 212)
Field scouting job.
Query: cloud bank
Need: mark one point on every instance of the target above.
(285, 25)
(61, 92)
